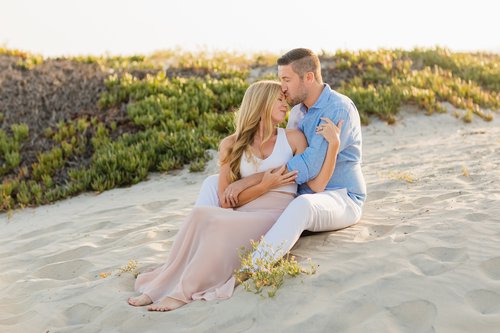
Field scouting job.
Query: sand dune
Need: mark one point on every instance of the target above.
(425, 257)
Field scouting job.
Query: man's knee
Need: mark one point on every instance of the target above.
(300, 211)
(303, 203)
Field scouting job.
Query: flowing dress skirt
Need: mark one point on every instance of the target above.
(205, 253)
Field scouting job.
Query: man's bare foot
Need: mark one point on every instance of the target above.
(166, 304)
(140, 300)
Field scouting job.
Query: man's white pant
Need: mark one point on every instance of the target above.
(325, 211)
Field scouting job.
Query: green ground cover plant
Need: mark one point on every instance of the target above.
(76, 124)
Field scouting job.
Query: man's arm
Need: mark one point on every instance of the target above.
(331, 133)
(309, 163)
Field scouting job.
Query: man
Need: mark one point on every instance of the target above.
(340, 204)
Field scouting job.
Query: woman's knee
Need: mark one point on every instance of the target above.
(203, 216)
(198, 213)
(211, 182)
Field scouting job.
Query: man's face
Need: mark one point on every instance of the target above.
(292, 85)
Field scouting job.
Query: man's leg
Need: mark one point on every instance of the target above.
(208, 192)
(325, 211)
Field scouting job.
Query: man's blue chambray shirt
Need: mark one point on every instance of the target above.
(347, 173)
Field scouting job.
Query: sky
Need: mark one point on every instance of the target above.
(77, 27)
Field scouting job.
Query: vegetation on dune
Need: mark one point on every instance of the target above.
(381, 82)
(265, 274)
(69, 125)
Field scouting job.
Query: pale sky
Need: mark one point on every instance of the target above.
(77, 27)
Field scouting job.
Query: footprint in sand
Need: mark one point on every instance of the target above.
(64, 270)
(449, 195)
(372, 232)
(97, 226)
(79, 252)
(82, 314)
(400, 233)
(95, 214)
(407, 229)
(37, 233)
(438, 260)
(423, 201)
(408, 206)
(415, 316)
(476, 217)
(34, 244)
(491, 268)
(14, 306)
(157, 205)
(15, 320)
(377, 195)
(140, 228)
(484, 301)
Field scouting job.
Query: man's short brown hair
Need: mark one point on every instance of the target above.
(302, 61)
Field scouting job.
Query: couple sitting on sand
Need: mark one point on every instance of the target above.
(255, 191)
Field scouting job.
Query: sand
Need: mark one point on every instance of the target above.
(425, 256)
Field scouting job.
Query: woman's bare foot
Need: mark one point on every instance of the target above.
(166, 304)
(140, 300)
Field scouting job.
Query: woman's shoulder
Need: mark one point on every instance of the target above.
(296, 139)
(227, 142)
(294, 134)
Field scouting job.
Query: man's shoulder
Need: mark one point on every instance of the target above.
(340, 105)
(340, 100)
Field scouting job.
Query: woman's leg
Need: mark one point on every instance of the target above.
(206, 253)
(208, 196)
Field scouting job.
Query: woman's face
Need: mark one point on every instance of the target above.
(280, 109)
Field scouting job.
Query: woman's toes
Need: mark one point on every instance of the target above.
(139, 300)
(158, 308)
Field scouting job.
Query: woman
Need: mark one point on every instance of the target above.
(205, 252)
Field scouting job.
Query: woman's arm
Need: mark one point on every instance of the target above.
(331, 133)
(224, 179)
(234, 189)
(270, 179)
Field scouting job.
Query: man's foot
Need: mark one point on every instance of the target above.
(140, 300)
(166, 304)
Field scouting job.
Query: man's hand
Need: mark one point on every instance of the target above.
(278, 177)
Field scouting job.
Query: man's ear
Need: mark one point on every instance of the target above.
(309, 76)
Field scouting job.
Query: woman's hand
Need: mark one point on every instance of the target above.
(329, 131)
(278, 177)
(232, 191)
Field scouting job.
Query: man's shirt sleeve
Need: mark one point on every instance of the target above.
(309, 163)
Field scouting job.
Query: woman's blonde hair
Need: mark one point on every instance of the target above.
(257, 104)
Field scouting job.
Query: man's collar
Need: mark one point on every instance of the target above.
(321, 101)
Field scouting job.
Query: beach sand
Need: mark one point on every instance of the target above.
(425, 256)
